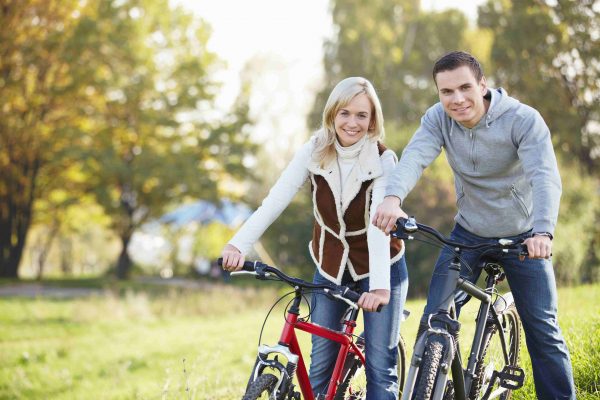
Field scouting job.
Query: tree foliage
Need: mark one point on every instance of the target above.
(393, 44)
(120, 91)
(154, 148)
(37, 122)
(547, 53)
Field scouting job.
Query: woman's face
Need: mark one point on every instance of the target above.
(353, 120)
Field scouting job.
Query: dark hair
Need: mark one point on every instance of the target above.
(456, 59)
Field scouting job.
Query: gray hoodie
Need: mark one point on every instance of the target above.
(505, 170)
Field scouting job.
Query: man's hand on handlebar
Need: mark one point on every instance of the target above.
(370, 301)
(539, 246)
(233, 259)
(387, 213)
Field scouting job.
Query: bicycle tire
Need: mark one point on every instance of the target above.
(263, 384)
(492, 358)
(428, 371)
(354, 382)
(353, 386)
(402, 356)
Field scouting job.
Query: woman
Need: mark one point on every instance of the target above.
(347, 166)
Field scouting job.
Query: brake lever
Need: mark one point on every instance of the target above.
(342, 298)
(407, 226)
(263, 275)
(242, 272)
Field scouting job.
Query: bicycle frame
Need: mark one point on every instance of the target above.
(289, 346)
(445, 327)
(444, 324)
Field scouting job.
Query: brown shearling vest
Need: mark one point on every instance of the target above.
(337, 244)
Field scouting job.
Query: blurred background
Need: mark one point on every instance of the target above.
(136, 135)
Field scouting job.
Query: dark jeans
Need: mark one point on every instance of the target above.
(534, 289)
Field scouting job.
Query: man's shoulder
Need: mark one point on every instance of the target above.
(526, 111)
(512, 107)
(435, 117)
(435, 111)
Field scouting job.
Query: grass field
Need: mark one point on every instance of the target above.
(194, 344)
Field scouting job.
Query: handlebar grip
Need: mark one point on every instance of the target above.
(354, 297)
(248, 265)
(404, 227)
(523, 251)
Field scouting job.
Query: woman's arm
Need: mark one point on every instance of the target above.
(378, 241)
(280, 195)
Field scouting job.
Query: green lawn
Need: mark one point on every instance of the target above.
(175, 344)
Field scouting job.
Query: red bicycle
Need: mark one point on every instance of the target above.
(273, 373)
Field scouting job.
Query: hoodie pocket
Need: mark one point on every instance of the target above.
(519, 200)
(460, 194)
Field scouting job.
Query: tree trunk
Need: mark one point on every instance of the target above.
(43, 256)
(16, 207)
(66, 256)
(124, 262)
(9, 268)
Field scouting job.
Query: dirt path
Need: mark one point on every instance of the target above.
(32, 290)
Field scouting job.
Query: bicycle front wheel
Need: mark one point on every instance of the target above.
(492, 356)
(428, 371)
(354, 381)
(261, 388)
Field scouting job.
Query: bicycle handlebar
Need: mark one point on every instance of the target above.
(406, 226)
(262, 270)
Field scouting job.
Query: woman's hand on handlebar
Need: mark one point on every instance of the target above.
(233, 259)
(370, 301)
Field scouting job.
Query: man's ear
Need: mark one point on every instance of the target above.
(483, 86)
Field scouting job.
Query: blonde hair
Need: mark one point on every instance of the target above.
(340, 96)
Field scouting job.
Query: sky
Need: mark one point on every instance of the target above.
(285, 40)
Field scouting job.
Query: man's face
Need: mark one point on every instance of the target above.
(461, 95)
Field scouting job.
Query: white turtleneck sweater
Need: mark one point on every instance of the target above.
(292, 179)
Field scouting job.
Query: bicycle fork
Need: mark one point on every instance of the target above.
(439, 331)
(417, 358)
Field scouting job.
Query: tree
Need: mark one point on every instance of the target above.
(393, 44)
(547, 53)
(155, 144)
(120, 91)
(37, 125)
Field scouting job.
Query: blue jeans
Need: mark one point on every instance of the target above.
(382, 332)
(534, 289)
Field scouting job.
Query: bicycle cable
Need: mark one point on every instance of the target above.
(454, 253)
(269, 313)
(462, 261)
(307, 304)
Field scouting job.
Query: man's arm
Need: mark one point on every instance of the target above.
(541, 169)
(425, 145)
(388, 213)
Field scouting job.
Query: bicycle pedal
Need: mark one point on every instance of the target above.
(511, 377)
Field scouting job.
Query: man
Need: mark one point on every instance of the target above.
(507, 185)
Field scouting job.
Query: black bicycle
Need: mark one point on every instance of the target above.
(492, 370)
